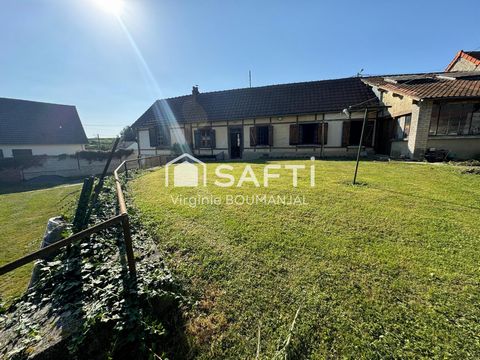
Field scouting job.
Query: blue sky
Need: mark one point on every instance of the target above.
(74, 52)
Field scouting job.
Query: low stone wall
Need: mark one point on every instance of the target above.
(462, 148)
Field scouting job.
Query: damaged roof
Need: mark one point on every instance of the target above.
(440, 85)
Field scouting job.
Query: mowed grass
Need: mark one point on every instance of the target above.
(388, 269)
(23, 218)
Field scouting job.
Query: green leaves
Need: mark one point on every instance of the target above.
(86, 290)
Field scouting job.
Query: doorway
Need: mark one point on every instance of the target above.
(235, 142)
(384, 135)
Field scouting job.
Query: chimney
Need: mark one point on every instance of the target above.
(195, 91)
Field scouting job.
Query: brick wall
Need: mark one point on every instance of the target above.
(464, 65)
(419, 127)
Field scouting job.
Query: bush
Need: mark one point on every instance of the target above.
(102, 155)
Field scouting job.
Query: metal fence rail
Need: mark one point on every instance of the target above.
(121, 218)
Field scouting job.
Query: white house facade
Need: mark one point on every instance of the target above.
(29, 128)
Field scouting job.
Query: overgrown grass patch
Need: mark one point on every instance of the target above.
(23, 218)
(386, 269)
(85, 303)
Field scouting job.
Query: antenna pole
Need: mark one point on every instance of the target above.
(250, 77)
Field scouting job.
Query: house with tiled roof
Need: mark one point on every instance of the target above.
(409, 116)
(465, 61)
(286, 120)
(429, 112)
(36, 128)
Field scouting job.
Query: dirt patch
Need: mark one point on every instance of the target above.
(207, 322)
(472, 170)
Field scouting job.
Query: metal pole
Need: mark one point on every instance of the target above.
(323, 135)
(47, 250)
(360, 145)
(128, 245)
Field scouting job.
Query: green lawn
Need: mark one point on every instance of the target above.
(389, 269)
(23, 217)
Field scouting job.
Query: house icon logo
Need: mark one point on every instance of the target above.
(186, 171)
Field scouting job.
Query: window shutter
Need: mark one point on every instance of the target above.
(187, 132)
(270, 135)
(253, 136)
(152, 134)
(212, 138)
(168, 137)
(325, 133)
(346, 133)
(196, 135)
(293, 134)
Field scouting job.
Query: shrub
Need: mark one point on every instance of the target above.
(102, 155)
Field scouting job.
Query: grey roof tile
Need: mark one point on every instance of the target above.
(32, 122)
(274, 100)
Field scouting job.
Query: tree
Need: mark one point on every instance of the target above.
(127, 134)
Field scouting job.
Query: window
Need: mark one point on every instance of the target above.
(205, 138)
(402, 127)
(22, 153)
(261, 135)
(406, 128)
(355, 132)
(152, 134)
(159, 136)
(163, 136)
(352, 130)
(475, 124)
(455, 119)
(309, 134)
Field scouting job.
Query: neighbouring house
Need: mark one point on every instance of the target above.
(36, 128)
(465, 61)
(287, 120)
(429, 111)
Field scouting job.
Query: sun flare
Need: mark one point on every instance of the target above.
(115, 7)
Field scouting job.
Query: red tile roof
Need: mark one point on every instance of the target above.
(472, 56)
(451, 85)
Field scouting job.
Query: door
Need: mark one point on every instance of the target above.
(235, 141)
(384, 135)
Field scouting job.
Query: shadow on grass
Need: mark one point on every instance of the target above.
(417, 196)
(8, 188)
